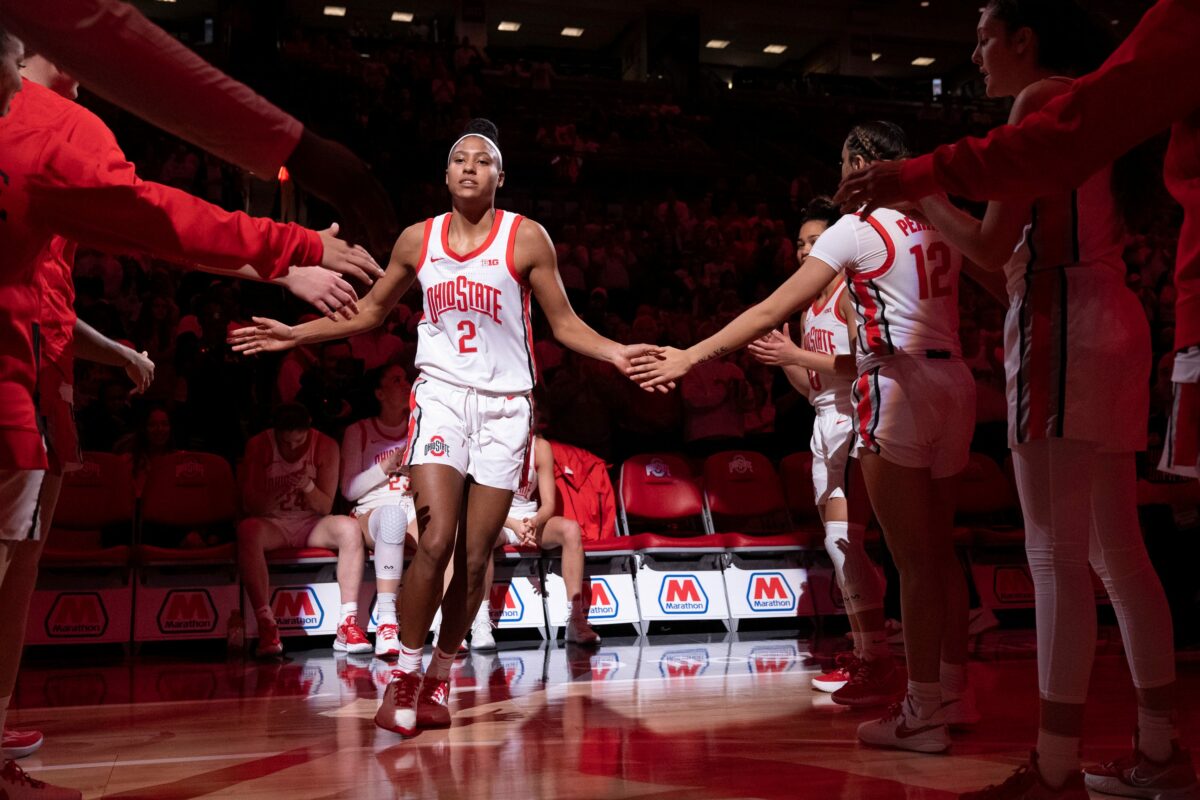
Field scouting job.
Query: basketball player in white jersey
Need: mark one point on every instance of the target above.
(824, 372)
(372, 450)
(1077, 358)
(914, 417)
(470, 426)
(289, 477)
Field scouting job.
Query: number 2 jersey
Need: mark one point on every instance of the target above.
(903, 279)
(475, 332)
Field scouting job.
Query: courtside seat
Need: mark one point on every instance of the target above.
(999, 537)
(147, 555)
(616, 546)
(659, 493)
(656, 543)
(795, 471)
(115, 556)
(509, 551)
(795, 540)
(302, 555)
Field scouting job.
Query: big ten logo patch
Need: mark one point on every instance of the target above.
(437, 447)
(297, 607)
(682, 594)
(657, 468)
(770, 591)
(604, 603)
(605, 666)
(489, 262)
(684, 663)
(506, 604)
(77, 615)
(1012, 584)
(740, 465)
(187, 611)
(770, 659)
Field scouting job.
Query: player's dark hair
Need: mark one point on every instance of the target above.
(484, 127)
(821, 209)
(877, 141)
(290, 417)
(1073, 41)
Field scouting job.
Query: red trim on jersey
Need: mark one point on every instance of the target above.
(837, 306)
(413, 408)
(486, 242)
(511, 250)
(865, 411)
(817, 309)
(424, 245)
(526, 298)
(875, 335)
(891, 251)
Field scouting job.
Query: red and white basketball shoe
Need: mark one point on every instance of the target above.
(351, 638)
(874, 682)
(387, 640)
(839, 676)
(268, 639)
(398, 712)
(16, 785)
(433, 704)
(18, 744)
(902, 729)
(1027, 783)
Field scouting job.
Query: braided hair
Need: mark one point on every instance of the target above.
(877, 141)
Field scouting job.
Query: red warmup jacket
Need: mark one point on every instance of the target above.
(1151, 83)
(585, 493)
(49, 186)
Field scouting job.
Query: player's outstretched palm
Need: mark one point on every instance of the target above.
(661, 369)
(265, 336)
(776, 349)
(631, 354)
(348, 259)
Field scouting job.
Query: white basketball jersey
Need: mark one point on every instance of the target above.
(825, 331)
(281, 473)
(378, 444)
(475, 331)
(903, 278)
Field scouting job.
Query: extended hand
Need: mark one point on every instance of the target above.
(140, 370)
(266, 336)
(776, 349)
(348, 259)
(660, 369)
(324, 289)
(876, 186)
(630, 354)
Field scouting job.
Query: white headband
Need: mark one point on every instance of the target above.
(495, 147)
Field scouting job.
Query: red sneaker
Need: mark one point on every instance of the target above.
(433, 704)
(398, 712)
(877, 682)
(18, 744)
(1136, 775)
(351, 638)
(268, 639)
(838, 677)
(16, 785)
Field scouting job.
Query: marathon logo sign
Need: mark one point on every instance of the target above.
(684, 663)
(187, 611)
(604, 603)
(507, 602)
(77, 615)
(769, 591)
(297, 607)
(682, 594)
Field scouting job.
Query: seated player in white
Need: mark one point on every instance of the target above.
(289, 477)
(372, 451)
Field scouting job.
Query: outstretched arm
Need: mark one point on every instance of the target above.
(268, 335)
(92, 345)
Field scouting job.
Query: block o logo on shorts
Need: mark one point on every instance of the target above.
(682, 594)
(187, 611)
(297, 607)
(77, 615)
(437, 447)
(504, 598)
(770, 591)
(604, 602)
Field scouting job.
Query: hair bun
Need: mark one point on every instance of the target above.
(483, 127)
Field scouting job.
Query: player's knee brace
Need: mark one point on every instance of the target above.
(387, 526)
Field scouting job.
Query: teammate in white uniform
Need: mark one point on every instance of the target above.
(1077, 358)
(372, 450)
(914, 416)
(289, 477)
(471, 413)
(824, 371)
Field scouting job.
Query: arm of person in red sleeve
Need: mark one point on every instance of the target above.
(1143, 87)
(106, 206)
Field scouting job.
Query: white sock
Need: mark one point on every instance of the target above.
(875, 645)
(1156, 732)
(1058, 757)
(385, 608)
(4, 701)
(264, 612)
(439, 666)
(409, 660)
(926, 698)
(484, 615)
(954, 679)
(349, 610)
